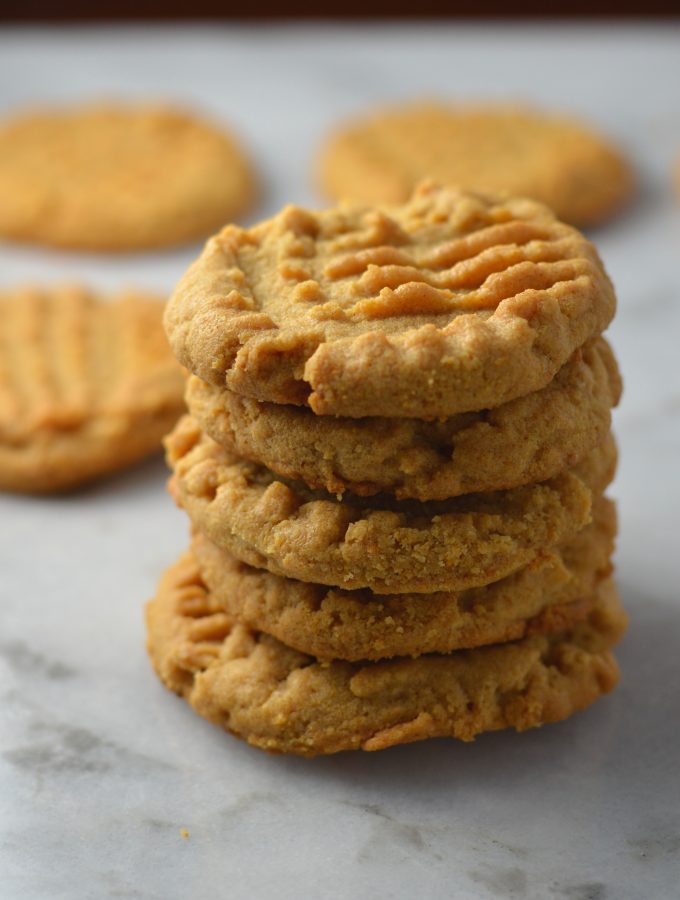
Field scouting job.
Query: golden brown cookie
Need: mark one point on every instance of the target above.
(86, 386)
(562, 163)
(283, 701)
(118, 177)
(386, 545)
(549, 595)
(526, 440)
(451, 303)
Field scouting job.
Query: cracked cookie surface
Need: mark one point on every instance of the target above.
(526, 440)
(450, 303)
(287, 702)
(378, 542)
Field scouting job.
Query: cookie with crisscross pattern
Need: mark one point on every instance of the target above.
(450, 303)
(87, 386)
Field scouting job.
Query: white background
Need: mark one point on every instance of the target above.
(100, 767)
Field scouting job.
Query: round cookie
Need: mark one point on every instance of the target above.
(283, 701)
(118, 177)
(549, 595)
(86, 386)
(379, 543)
(526, 440)
(559, 162)
(450, 303)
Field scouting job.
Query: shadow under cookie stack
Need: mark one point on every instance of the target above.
(394, 466)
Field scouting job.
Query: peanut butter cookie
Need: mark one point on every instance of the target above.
(526, 440)
(116, 177)
(562, 163)
(381, 543)
(86, 386)
(549, 595)
(286, 702)
(450, 303)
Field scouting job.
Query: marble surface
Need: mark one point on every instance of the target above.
(101, 768)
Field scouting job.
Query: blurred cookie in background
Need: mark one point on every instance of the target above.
(87, 387)
(381, 157)
(115, 177)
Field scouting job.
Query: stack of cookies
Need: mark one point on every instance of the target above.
(394, 468)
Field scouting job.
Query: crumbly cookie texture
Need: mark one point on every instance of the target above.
(549, 595)
(450, 303)
(379, 543)
(526, 440)
(283, 701)
(560, 162)
(116, 177)
(86, 386)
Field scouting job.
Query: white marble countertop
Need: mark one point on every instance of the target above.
(100, 767)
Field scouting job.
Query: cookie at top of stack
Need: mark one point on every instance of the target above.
(451, 303)
(372, 472)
